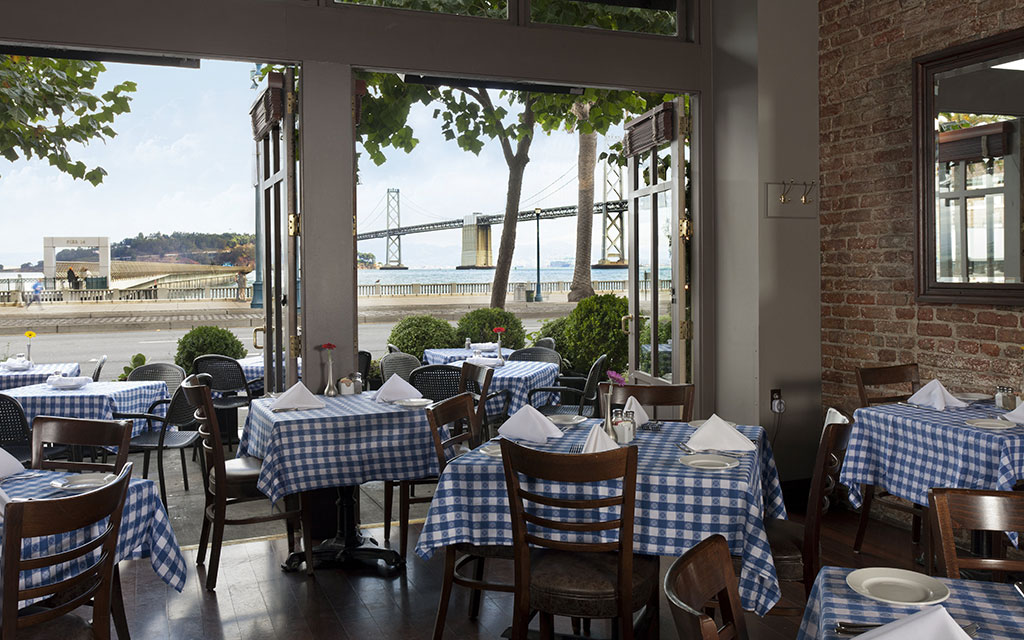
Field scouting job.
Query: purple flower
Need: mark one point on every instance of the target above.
(616, 378)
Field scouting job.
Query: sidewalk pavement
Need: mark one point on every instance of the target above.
(93, 317)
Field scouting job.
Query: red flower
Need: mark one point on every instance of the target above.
(327, 345)
(498, 329)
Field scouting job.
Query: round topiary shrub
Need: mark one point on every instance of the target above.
(413, 334)
(595, 327)
(205, 340)
(553, 329)
(478, 326)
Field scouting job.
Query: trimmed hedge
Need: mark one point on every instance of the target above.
(595, 327)
(478, 326)
(205, 340)
(413, 334)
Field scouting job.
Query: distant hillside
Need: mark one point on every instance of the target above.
(236, 249)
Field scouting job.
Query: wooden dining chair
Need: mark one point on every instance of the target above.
(459, 416)
(796, 547)
(887, 378)
(79, 433)
(653, 395)
(97, 514)
(705, 573)
(595, 575)
(476, 380)
(975, 510)
(232, 482)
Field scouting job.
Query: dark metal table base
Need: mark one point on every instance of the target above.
(348, 546)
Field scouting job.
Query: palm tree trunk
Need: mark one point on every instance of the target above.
(516, 169)
(582, 286)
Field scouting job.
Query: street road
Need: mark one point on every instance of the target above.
(156, 345)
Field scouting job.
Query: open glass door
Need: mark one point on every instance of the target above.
(658, 322)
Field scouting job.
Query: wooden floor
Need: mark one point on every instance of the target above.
(255, 599)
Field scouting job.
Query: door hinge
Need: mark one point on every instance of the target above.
(686, 330)
(685, 229)
(295, 344)
(294, 224)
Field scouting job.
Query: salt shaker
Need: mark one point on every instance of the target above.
(469, 344)
(629, 425)
(357, 383)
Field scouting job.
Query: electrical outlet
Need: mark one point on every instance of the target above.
(778, 405)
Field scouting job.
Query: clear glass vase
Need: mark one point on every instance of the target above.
(330, 390)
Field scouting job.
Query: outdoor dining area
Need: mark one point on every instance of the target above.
(557, 504)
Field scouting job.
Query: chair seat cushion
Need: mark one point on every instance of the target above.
(242, 474)
(584, 584)
(786, 538)
(66, 627)
(172, 439)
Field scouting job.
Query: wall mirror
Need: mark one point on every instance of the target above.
(968, 133)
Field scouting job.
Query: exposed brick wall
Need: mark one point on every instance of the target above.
(868, 311)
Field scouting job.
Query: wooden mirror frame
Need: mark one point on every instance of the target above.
(925, 68)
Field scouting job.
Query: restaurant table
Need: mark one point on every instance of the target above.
(518, 378)
(676, 506)
(446, 356)
(145, 530)
(352, 440)
(995, 607)
(94, 401)
(36, 375)
(253, 366)
(907, 450)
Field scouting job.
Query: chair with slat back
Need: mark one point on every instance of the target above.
(399, 363)
(462, 422)
(436, 381)
(596, 575)
(167, 372)
(703, 573)
(887, 378)
(477, 380)
(975, 510)
(574, 388)
(231, 482)
(99, 368)
(654, 395)
(78, 432)
(97, 584)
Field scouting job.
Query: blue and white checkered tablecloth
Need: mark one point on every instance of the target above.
(996, 607)
(519, 378)
(145, 530)
(676, 506)
(36, 375)
(907, 450)
(253, 366)
(352, 440)
(94, 401)
(445, 356)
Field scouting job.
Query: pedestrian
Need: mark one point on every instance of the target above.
(72, 279)
(240, 281)
(36, 295)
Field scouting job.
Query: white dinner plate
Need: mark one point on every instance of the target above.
(566, 419)
(991, 424)
(709, 461)
(897, 586)
(973, 397)
(697, 423)
(414, 402)
(84, 481)
(493, 450)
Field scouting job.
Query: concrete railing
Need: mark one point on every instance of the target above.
(484, 288)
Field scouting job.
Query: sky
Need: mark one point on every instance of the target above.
(182, 161)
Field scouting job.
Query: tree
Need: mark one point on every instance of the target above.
(46, 104)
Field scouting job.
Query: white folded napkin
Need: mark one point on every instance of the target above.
(396, 388)
(484, 346)
(598, 441)
(639, 415)
(530, 425)
(933, 623)
(716, 433)
(9, 465)
(484, 362)
(934, 395)
(18, 364)
(68, 382)
(298, 397)
(1017, 415)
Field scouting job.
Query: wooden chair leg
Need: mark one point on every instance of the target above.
(117, 607)
(915, 527)
(218, 542)
(547, 626)
(654, 615)
(868, 493)
(204, 536)
(403, 518)
(389, 497)
(446, 592)
(474, 595)
(184, 469)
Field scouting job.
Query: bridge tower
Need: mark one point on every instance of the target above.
(613, 223)
(394, 242)
(476, 244)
